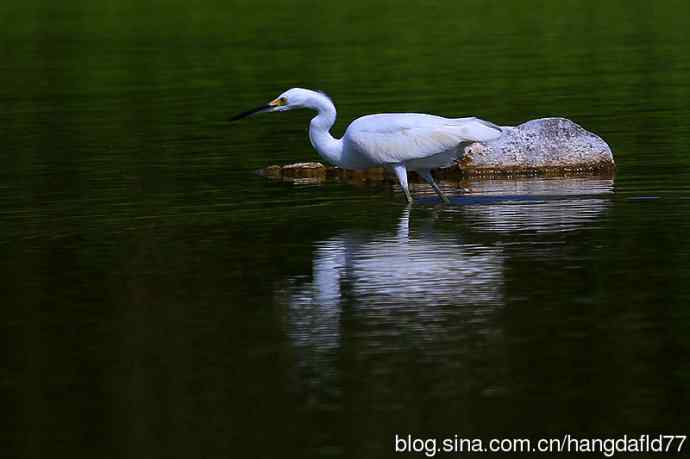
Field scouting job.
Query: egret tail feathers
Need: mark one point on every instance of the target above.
(478, 130)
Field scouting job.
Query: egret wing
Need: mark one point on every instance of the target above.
(397, 138)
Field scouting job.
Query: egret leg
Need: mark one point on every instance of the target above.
(401, 172)
(428, 178)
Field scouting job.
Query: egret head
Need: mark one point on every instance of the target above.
(289, 100)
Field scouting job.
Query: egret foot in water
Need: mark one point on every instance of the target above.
(408, 196)
(428, 178)
(401, 173)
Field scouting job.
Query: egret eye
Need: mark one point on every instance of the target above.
(282, 101)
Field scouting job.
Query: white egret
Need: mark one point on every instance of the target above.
(397, 141)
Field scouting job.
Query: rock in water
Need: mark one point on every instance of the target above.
(547, 145)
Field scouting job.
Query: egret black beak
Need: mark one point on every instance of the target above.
(272, 105)
(263, 108)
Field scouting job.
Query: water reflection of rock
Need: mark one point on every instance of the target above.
(539, 204)
(436, 279)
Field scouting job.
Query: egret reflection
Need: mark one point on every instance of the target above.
(426, 279)
(406, 281)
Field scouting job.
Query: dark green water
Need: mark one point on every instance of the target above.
(161, 300)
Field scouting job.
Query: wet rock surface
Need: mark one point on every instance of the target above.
(546, 146)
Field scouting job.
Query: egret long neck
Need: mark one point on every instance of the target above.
(321, 139)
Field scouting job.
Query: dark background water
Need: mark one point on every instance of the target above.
(161, 300)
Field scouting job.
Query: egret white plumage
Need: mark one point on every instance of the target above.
(397, 141)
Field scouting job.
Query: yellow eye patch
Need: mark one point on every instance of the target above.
(279, 102)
